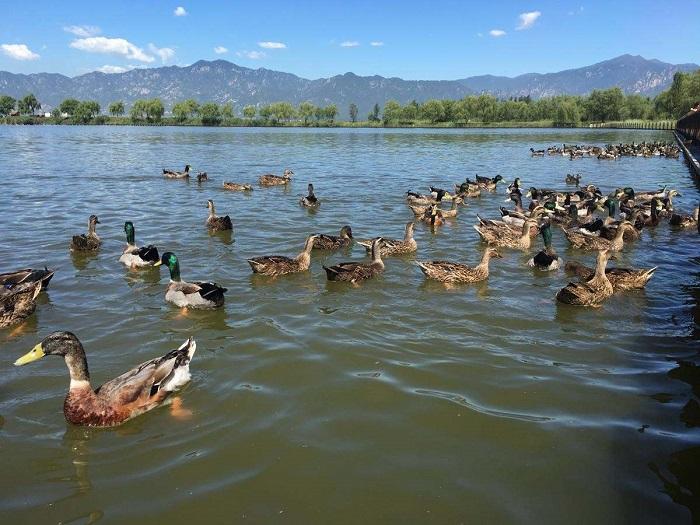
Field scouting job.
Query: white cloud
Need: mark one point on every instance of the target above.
(376, 43)
(164, 53)
(180, 11)
(220, 50)
(114, 69)
(253, 55)
(349, 43)
(114, 46)
(497, 32)
(19, 52)
(272, 45)
(83, 31)
(527, 20)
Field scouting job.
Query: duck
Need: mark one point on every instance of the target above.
(131, 394)
(334, 242)
(419, 211)
(468, 189)
(433, 216)
(90, 242)
(198, 294)
(276, 180)
(514, 186)
(416, 199)
(537, 152)
(136, 257)
(590, 242)
(573, 179)
(446, 195)
(28, 275)
(202, 177)
(354, 272)
(310, 201)
(394, 246)
(274, 265)
(234, 186)
(546, 259)
(453, 273)
(18, 302)
(620, 278)
(591, 292)
(173, 174)
(504, 236)
(488, 184)
(685, 221)
(216, 223)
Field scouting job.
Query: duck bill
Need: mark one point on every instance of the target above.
(158, 263)
(34, 354)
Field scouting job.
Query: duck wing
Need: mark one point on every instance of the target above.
(148, 253)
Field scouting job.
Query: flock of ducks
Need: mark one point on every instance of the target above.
(612, 151)
(627, 212)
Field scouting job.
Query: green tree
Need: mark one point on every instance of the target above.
(249, 112)
(306, 112)
(265, 112)
(139, 110)
(7, 105)
(330, 112)
(29, 104)
(605, 105)
(180, 112)
(85, 111)
(281, 111)
(374, 115)
(392, 112)
(227, 111)
(433, 111)
(210, 114)
(116, 108)
(69, 106)
(353, 112)
(154, 110)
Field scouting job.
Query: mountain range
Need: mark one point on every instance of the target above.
(221, 81)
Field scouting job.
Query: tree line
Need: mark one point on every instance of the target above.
(599, 106)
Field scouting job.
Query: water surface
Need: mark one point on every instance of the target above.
(395, 401)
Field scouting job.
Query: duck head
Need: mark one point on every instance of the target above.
(346, 232)
(130, 232)
(169, 259)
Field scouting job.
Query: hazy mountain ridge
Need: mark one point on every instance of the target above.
(222, 81)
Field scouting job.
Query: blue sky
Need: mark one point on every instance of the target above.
(412, 39)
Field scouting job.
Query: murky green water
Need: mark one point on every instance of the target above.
(397, 401)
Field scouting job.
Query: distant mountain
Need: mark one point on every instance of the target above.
(221, 81)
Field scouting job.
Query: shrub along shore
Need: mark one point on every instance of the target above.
(609, 107)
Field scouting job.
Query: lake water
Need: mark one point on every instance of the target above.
(396, 401)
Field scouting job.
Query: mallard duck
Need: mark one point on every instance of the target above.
(131, 394)
(419, 211)
(488, 184)
(275, 265)
(450, 272)
(89, 242)
(536, 152)
(589, 242)
(333, 242)
(620, 278)
(233, 186)
(276, 180)
(468, 189)
(28, 275)
(394, 246)
(446, 195)
(433, 216)
(416, 199)
(573, 179)
(547, 259)
(685, 221)
(18, 302)
(199, 294)
(172, 174)
(592, 292)
(354, 271)
(216, 223)
(504, 236)
(310, 201)
(202, 176)
(514, 186)
(136, 257)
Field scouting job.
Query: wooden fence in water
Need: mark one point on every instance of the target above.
(636, 124)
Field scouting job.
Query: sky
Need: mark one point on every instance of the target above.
(411, 39)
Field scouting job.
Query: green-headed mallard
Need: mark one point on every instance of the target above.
(536, 152)
(685, 221)
(28, 275)
(354, 272)
(573, 179)
(89, 242)
(620, 278)
(547, 259)
(589, 242)
(216, 223)
(276, 180)
(18, 302)
(310, 201)
(136, 257)
(487, 183)
(199, 294)
(394, 246)
(416, 199)
(274, 265)
(450, 272)
(592, 292)
(173, 174)
(127, 396)
(333, 242)
(233, 186)
(202, 177)
(500, 234)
